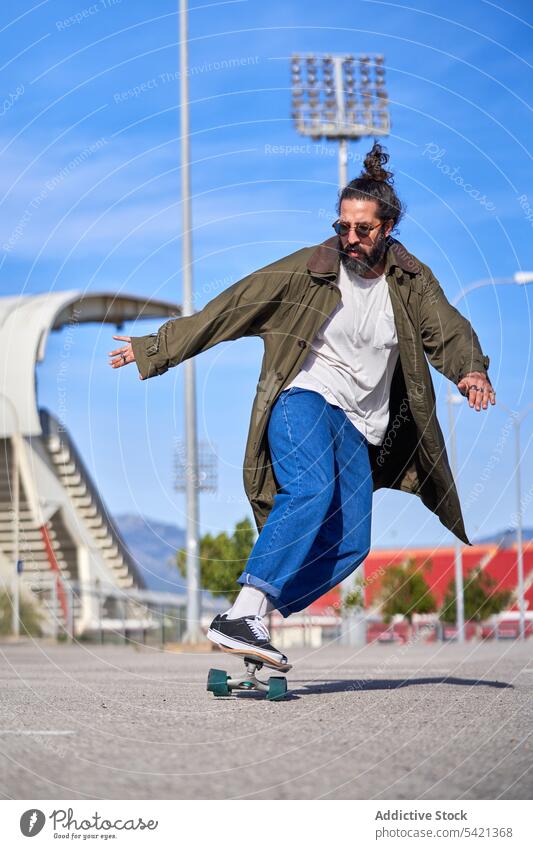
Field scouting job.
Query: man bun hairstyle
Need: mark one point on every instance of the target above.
(373, 165)
(375, 183)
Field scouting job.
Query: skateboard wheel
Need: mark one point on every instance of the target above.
(277, 688)
(217, 682)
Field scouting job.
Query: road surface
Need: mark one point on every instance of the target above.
(382, 722)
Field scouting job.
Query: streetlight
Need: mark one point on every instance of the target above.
(458, 559)
(517, 419)
(340, 97)
(519, 278)
(15, 497)
(193, 631)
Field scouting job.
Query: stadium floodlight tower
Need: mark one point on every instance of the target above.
(206, 468)
(340, 97)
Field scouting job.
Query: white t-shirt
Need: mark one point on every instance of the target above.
(353, 355)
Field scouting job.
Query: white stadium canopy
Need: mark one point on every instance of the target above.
(25, 324)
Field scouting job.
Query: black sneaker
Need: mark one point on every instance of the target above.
(248, 636)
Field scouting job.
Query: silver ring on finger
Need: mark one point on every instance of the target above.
(124, 358)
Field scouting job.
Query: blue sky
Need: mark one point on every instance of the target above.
(100, 79)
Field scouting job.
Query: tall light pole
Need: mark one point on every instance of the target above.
(517, 419)
(520, 278)
(340, 97)
(15, 498)
(458, 558)
(193, 631)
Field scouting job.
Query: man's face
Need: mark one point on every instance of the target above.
(363, 254)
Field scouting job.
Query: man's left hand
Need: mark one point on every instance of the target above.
(478, 389)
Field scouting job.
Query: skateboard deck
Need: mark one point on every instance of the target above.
(262, 660)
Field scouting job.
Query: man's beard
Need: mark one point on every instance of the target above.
(366, 262)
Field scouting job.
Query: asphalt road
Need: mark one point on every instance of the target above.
(383, 722)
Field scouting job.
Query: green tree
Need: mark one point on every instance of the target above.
(481, 600)
(354, 600)
(405, 591)
(222, 559)
(30, 617)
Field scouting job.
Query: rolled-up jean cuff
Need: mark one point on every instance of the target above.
(251, 581)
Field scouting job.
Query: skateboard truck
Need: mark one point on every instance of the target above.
(221, 684)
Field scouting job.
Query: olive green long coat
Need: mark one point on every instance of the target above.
(286, 303)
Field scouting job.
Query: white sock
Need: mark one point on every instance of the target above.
(250, 602)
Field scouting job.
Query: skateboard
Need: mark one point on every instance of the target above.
(221, 684)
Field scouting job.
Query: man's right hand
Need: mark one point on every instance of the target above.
(122, 356)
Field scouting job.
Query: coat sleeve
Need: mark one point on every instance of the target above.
(449, 339)
(242, 309)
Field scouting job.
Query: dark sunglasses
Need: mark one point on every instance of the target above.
(342, 228)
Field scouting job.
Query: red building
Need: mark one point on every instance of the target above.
(438, 566)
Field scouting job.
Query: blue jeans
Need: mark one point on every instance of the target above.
(318, 530)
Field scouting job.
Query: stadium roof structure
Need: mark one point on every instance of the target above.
(25, 324)
(58, 527)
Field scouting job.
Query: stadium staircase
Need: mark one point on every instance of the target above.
(77, 546)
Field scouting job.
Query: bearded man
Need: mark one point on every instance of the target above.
(345, 402)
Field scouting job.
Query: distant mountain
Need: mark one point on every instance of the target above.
(153, 544)
(505, 538)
